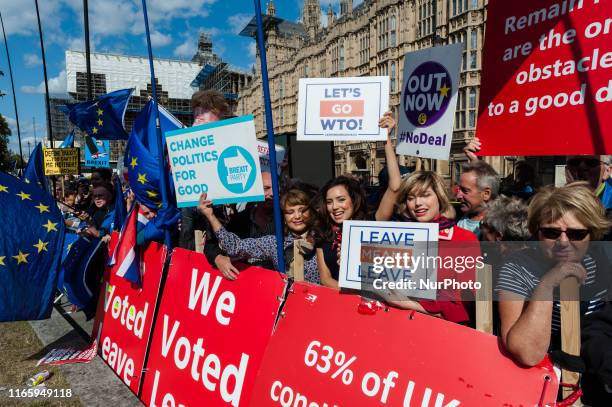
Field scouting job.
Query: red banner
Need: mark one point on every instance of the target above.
(210, 333)
(546, 84)
(125, 315)
(327, 350)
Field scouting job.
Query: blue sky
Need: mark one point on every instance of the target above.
(115, 26)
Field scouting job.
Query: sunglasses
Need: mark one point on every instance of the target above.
(572, 234)
(590, 162)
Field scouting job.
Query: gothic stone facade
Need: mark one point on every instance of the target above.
(368, 40)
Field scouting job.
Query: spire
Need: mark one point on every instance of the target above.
(271, 11)
(331, 17)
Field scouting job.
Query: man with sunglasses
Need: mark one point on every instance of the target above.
(565, 221)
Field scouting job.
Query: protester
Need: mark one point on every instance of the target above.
(564, 221)
(597, 354)
(505, 220)
(298, 219)
(478, 185)
(596, 170)
(83, 199)
(422, 197)
(340, 199)
(208, 106)
(520, 183)
(101, 176)
(99, 215)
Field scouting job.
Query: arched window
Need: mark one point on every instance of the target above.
(392, 80)
(392, 34)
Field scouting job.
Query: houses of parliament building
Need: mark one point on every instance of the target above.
(371, 39)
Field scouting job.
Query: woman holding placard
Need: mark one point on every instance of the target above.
(340, 199)
(298, 216)
(422, 197)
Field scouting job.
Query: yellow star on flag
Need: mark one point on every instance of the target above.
(3, 188)
(94, 130)
(41, 245)
(50, 226)
(151, 194)
(134, 162)
(24, 196)
(142, 178)
(21, 257)
(2, 260)
(444, 91)
(100, 112)
(68, 247)
(100, 122)
(42, 208)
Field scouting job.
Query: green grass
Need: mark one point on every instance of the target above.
(20, 350)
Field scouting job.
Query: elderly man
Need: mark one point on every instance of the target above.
(478, 185)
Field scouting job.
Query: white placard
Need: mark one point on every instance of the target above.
(342, 109)
(264, 157)
(428, 102)
(363, 241)
(218, 158)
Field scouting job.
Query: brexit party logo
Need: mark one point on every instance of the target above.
(236, 168)
(427, 94)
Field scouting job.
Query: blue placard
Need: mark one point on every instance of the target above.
(97, 152)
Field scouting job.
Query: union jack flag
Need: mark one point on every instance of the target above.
(125, 256)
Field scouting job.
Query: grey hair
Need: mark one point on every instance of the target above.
(486, 176)
(508, 216)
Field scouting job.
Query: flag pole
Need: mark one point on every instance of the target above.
(44, 62)
(278, 226)
(87, 49)
(160, 143)
(8, 58)
(47, 104)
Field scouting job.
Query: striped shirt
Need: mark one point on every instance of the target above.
(521, 275)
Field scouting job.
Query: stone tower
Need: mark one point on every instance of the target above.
(346, 7)
(312, 17)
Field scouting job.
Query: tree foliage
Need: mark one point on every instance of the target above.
(6, 163)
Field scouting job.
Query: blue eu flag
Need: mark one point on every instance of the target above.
(102, 118)
(142, 155)
(68, 141)
(30, 250)
(77, 271)
(34, 172)
(120, 211)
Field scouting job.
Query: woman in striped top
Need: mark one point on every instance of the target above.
(564, 221)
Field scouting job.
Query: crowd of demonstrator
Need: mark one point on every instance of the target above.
(558, 226)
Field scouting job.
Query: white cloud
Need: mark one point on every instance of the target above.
(252, 50)
(20, 16)
(32, 60)
(238, 21)
(159, 39)
(187, 48)
(27, 134)
(56, 85)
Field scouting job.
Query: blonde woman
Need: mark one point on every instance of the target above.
(564, 221)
